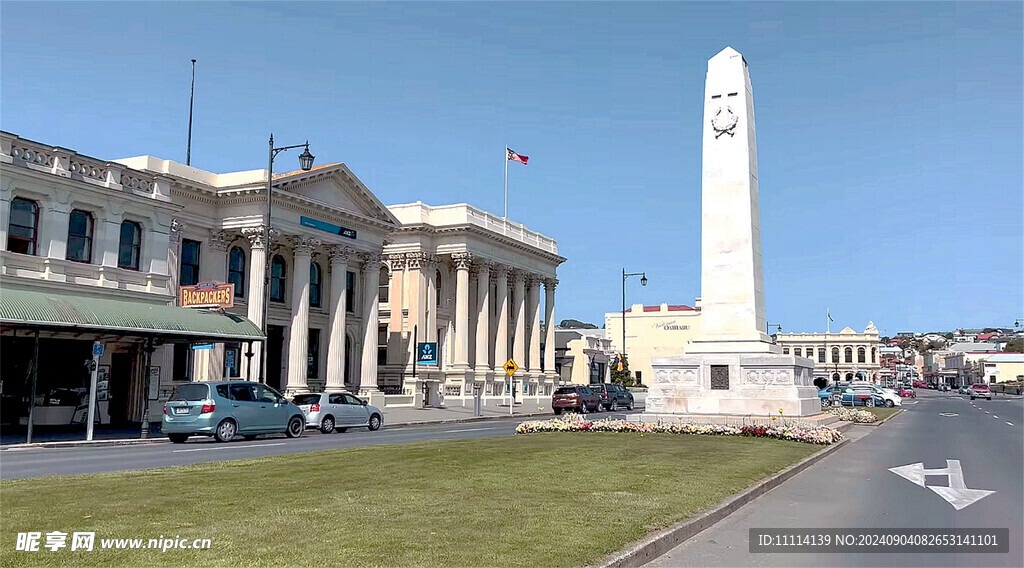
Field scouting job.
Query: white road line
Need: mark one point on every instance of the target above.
(987, 412)
(996, 417)
(219, 447)
(1010, 423)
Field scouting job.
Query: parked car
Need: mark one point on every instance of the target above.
(576, 397)
(907, 393)
(861, 397)
(980, 390)
(964, 390)
(613, 396)
(339, 411)
(226, 409)
(889, 397)
(826, 394)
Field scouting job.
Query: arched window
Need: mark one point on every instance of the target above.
(315, 281)
(382, 290)
(80, 236)
(23, 226)
(437, 287)
(849, 376)
(848, 353)
(860, 355)
(236, 270)
(873, 354)
(835, 354)
(798, 352)
(821, 354)
(314, 284)
(130, 247)
(835, 376)
(277, 274)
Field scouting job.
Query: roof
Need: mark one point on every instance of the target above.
(973, 347)
(1006, 358)
(313, 169)
(984, 336)
(679, 308)
(58, 311)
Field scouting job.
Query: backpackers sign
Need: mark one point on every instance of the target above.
(207, 295)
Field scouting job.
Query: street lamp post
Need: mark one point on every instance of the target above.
(768, 326)
(306, 163)
(643, 282)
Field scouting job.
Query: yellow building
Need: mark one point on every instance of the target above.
(1003, 367)
(652, 331)
(844, 356)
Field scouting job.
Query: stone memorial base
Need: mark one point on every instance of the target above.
(747, 384)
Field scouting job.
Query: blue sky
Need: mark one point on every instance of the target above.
(889, 134)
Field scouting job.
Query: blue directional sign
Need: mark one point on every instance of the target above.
(426, 353)
(327, 227)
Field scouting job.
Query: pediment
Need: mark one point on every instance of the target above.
(337, 187)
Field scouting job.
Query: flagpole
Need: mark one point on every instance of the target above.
(506, 183)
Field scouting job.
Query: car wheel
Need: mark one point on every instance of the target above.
(869, 402)
(583, 409)
(374, 423)
(890, 403)
(629, 405)
(177, 438)
(558, 411)
(295, 427)
(249, 437)
(327, 425)
(225, 431)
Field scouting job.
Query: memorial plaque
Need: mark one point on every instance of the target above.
(719, 377)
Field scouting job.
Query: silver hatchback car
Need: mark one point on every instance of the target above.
(339, 411)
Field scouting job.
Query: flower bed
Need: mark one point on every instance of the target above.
(577, 423)
(852, 415)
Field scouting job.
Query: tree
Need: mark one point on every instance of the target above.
(1015, 345)
(623, 377)
(576, 324)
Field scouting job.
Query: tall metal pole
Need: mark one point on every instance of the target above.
(191, 99)
(32, 400)
(623, 313)
(268, 263)
(506, 183)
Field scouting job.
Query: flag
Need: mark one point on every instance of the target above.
(513, 157)
(829, 316)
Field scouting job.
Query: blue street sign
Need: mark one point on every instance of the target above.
(198, 346)
(426, 353)
(97, 349)
(327, 227)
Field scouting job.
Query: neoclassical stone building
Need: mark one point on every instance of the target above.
(345, 284)
(844, 356)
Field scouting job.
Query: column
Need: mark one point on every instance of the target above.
(519, 297)
(213, 266)
(413, 266)
(502, 303)
(371, 275)
(534, 315)
(483, 318)
(549, 326)
(256, 296)
(430, 267)
(336, 343)
(396, 301)
(463, 261)
(298, 336)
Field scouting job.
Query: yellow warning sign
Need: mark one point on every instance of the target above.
(511, 367)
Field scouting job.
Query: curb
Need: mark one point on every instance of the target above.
(657, 544)
(883, 421)
(160, 439)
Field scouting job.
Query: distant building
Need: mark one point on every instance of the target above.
(653, 331)
(1003, 367)
(583, 356)
(843, 356)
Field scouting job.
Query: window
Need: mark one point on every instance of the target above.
(821, 354)
(80, 236)
(182, 366)
(189, 262)
(23, 229)
(873, 354)
(277, 274)
(313, 354)
(860, 355)
(350, 292)
(314, 285)
(267, 394)
(596, 372)
(849, 376)
(335, 399)
(848, 352)
(785, 350)
(437, 287)
(130, 246)
(236, 270)
(349, 399)
(797, 351)
(241, 393)
(232, 359)
(382, 344)
(835, 354)
(382, 290)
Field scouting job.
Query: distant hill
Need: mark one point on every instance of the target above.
(576, 324)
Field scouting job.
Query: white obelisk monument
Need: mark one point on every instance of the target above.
(732, 368)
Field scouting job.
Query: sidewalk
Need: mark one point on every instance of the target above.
(393, 416)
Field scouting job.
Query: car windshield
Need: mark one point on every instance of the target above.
(566, 390)
(980, 387)
(191, 393)
(307, 399)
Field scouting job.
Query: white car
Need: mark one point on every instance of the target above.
(339, 411)
(888, 395)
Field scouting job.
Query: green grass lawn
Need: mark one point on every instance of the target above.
(881, 412)
(552, 499)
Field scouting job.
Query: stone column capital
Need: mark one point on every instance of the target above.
(177, 228)
(396, 261)
(462, 260)
(414, 260)
(303, 245)
(338, 254)
(550, 284)
(370, 261)
(220, 240)
(257, 239)
(481, 267)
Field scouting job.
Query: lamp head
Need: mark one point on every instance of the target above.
(306, 159)
(643, 279)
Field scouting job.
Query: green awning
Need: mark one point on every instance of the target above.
(61, 311)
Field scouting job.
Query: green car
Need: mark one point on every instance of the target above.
(226, 409)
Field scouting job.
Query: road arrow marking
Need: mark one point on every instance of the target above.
(957, 494)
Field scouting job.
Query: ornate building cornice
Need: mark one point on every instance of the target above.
(462, 260)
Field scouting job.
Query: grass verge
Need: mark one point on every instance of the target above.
(881, 412)
(540, 500)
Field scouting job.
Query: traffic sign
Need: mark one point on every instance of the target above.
(510, 367)
(97, 349)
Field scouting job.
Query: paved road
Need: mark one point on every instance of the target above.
(853, 488)
(69, 461)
